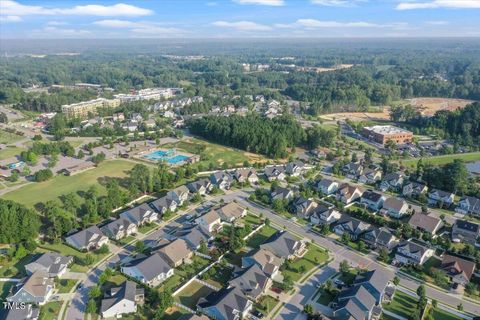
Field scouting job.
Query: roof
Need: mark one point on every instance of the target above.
(395, 204)
(280, 192)
(194, 317)
(86, 236)
(137, 213)
(52, 261)
(425, 222)
(231, 210)
(372, 196)
(386, 130)
(354, 225)
(283, 244)
(115, 226)
(179, 190)
(195, 237)
(127, 290)
(37, 284)
(210, 217)
(325, 183)
(197, 185)
(163, 202)
(274, 170)
(455, 265)
(441, 193)
(150, 266)
(252, 280)
(22, 313)
(467, 226)
(348, 190)
(473, 202)
(267, 260)
(393, 176)
(225, 301)
(245, 172)
(381, 235)
(375, 278)
(413, 247)
(176, 250)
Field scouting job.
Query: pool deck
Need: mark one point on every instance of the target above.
(142, 156)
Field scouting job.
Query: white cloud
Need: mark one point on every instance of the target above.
(10, 19)
(56, 23)
(312, 23)
(54, 31)
(337, 3)
(242, 25)
(262, 2)
(437, 22)
(142, 27)
(9, 7)
(452, 4)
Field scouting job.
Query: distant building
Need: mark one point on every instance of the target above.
(381, 134)
(83, 109)
(89, 239)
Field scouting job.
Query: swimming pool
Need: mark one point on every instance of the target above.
(167, 156)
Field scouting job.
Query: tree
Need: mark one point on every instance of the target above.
(141, 178)
(18, 222)
(344, 267)
(460, 307)
(103, 249)
(383, 255)
(89, 259)
(91, 306)
(362, 246)
(43, 175)
(308, 309)
(421, 291)
(396, 280)
(345, 238)
(287, 283)
(14, 176)
(434, 303)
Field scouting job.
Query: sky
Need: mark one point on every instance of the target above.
(38, 19)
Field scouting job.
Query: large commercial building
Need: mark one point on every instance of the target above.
(83, 109)
(381, 134)
(148, 94)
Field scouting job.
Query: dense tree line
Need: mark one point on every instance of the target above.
(18, 223)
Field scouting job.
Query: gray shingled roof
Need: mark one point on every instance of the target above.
(150, 266)
(127, 290)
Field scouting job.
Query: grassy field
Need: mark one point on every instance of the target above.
(192, 293)
(443, 315)
(301, 267)
(64, 285)
(215, 153)
(261, 236)
(7, 137)
(442, 160)
(33, 193)
(266, 304)
(51, 310)
(402, 304)
(220, 276)
(10, 151)
(15, 267)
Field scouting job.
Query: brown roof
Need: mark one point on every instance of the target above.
(231, 210)
(37, 283)
(455, 265)
(425, 222)
(211, 216)
(267, 260)
(176, 250)
(394, 203)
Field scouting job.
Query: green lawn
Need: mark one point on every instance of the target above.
(33, 193)
(442, 160)
(5, 288)
(219, 275)
(439, 314)
(261, 236)
(51, 310)
(192, 293)
(251, 219)
(15, 268)
(314, 257)
(147, 227)
(64, 285)
(236, 257)
(8, 138)
(174, 313)
(126, 240)
(266, 304)
(9, 152)
(402, 304)
(325, 297)
(172, 283)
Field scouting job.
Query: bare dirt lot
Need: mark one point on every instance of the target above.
(359, 116)
(429, 106)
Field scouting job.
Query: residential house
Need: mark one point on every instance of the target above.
(175, 252)
(379, 238)
(275, 173)
(91, 238)
(54, 264)
(459, 270)
(246, 175)
(425, 223)
(351, 226)
(285, 245)
(281, 193)
(392, 181)
(195, 237)
(324, 215)
(468, 205)
(226, 304)
(37, 289)
(119, 228)
(191, 316)
(395, 207)
(201, 186)
(362, 300)
(439, 197)
(151, 270)
(327, 186)
(231, 212)
(465, 231)
(410, 252)
(30, 312)
(303, 207)
(295, 168)
(414, 189)
(370, 175)
(347, 193)
(179, 194)
(140, 215)
(164, 204)
(372, 199)
(210, 222)
(353, 170)
(252, 281)
(121, 300)
(223, 180)
(268, 262)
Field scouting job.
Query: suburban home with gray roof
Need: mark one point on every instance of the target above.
(392, 181)
(226, 304)
(353, 227)
(395, 207)
(268, 262)
(54, 264)
(140, 215)
(194, 237)
(372, 200)
(414, 189)
(179, 194)
(323, 215)
(164, 204)
(36, 289)
(119, 228)
(285, 245)
(91, 238)
(303, 207)
(327, 186)
(275, 172)
(201, 186)
(440, 197)
(223, 180)
(246, 175)
(151, 270)
(175, 252)
(465, 231)
(252, 281)
(459, 270)
(122, 300)
(410, 252)
(425, 223)
(28, 313)
(281, 193)
(370, 175)
(210, 222)
(295, 168)
(353, 170)
(231, 212)
(468, 205)
(379, 238)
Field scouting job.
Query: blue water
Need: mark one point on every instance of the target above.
(163, 155)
